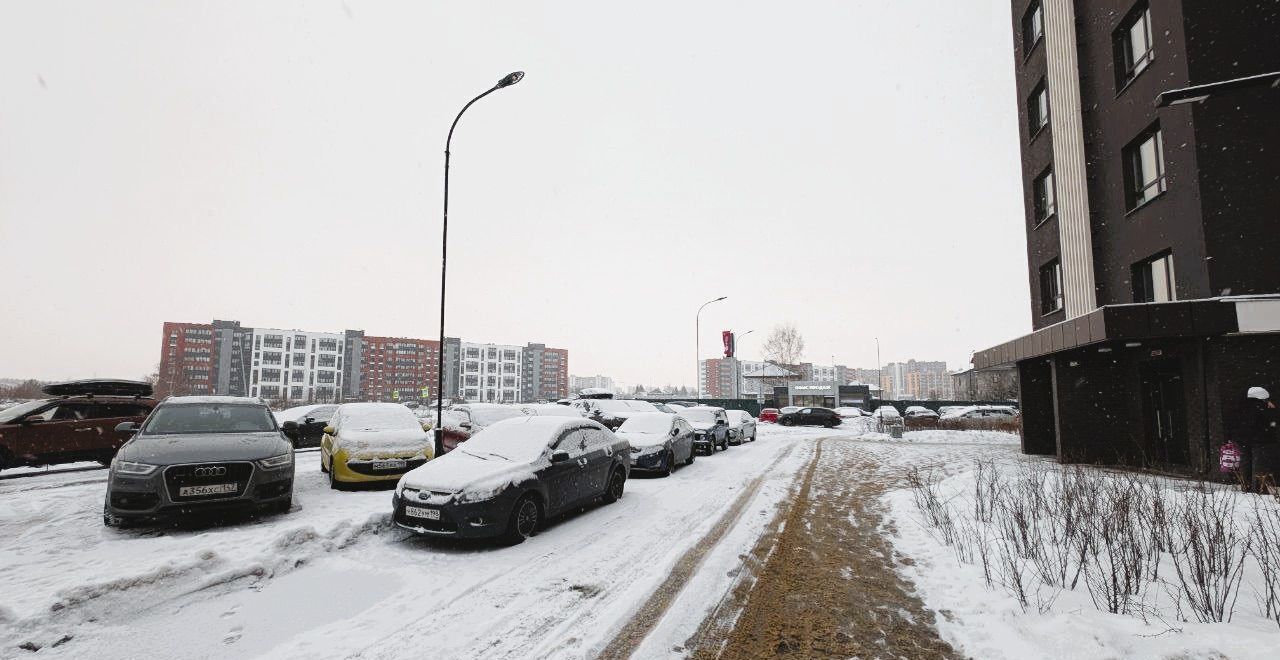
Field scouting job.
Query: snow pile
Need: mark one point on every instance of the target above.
(1075, 562)
(935, 436)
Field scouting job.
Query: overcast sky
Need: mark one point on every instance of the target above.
(849, 166)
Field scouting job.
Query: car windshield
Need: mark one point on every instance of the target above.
(209, 418)
(14, 412)
(653, 423)
(701, 416)
(487, 416)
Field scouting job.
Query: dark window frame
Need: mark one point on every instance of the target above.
(1142, 279)
(1043, 209)
(1037, 112)
(1137, 192)
(1032, 39)
(1128, 64)
(1051, 297)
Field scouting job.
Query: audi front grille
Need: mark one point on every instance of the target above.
(207, 474)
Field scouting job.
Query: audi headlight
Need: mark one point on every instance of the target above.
(130, 468)
(276, 461)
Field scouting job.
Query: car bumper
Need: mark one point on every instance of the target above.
(649, 462)
(360, 470)
(153, 496)
(484, 519)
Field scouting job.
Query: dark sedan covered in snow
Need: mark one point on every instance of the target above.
(510, 477)
(659, 441)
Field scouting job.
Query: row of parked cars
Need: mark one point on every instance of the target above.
(509, 468)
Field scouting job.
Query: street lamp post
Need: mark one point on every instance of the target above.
(507, 81)
(697, 346)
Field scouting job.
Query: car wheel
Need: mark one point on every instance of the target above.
(617, 482)
(283, 507)
(753, 436)
(525, 516)
(787, 422)
(668, 463)
(333, 477)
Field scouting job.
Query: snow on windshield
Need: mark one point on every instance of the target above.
(517, 440)
(486, 415)
(647, 423)
(699, 415)
(14, 412)
(377, 417)
(210, 418)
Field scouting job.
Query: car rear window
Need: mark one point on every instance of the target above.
(209, 418)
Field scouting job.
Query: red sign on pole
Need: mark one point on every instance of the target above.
(727, 336)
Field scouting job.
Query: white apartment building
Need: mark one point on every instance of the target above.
(490, 373)
(296, 365)
(579, 383)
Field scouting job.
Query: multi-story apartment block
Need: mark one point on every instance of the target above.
(1151, 234)
(545, 373)
(491, 372)
(579, 383)
(915, 379)
(188, 358)
(718, 378)
(305, 366)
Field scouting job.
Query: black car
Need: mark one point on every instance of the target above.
(309, 423)
(659, 441)
(710, 427)
(811, 417)
(507, 479)
(200, 453)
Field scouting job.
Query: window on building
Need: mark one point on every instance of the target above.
(271, 358)
(471, 381)
(1051, 287)
(324, 376)
(328, 360)
(473, 367)
(1144, 168)
(1032, 27)
(328, 344)
(1153, 279)
(272, 375)
(493, 354)
(273, 341)
(298, 375)
(1038, 108)
(1043, 196)
(1133, 44)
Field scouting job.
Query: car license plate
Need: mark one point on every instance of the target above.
(394, 464)
(215, 489)
(422, 512)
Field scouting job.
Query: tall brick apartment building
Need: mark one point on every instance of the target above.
(1153, 233)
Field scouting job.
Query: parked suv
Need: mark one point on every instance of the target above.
(710, 427)
(77, 424)
(200, 453)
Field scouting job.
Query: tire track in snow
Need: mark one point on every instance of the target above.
(652, 610)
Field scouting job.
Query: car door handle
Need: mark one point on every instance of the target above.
(83, 430)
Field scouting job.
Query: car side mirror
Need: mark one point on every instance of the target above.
(289, 426)
(721, 422)
(128, 427)
(559, 456)
(465, 425)
(308, 420)
(675, 432)
(329, 430)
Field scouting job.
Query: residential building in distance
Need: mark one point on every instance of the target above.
(579, 383)
(301, 366)
(187, 360)
(1151, 234)
(915, 379)
(718, 378)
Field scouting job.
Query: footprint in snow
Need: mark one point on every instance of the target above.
(233, 636)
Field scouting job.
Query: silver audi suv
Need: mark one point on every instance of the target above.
(199, 453)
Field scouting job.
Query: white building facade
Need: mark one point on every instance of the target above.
(296, 365)
(490, 373)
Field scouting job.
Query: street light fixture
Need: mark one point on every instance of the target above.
(507, 81)
(697, 347)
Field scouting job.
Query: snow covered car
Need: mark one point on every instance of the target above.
(371, 442)
(850, 412)
(509, 478)
(919, 412)
(613, 412)
(785, 410)
(811, 417)
(309, 423)
(768, 415)
(77, 424)
(993, 413)
(742, 426)
(549, 409)
(196, 453)
(659, 441)
(467, 419)
(710, 427)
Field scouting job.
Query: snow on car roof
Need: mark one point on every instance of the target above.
(225, 400)
(298, 413)
(521, 439)
(376, 417)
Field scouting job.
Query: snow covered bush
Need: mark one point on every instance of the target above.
(1139, 545)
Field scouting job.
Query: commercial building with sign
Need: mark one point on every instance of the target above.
(824, 394)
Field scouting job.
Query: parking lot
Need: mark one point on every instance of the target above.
(334, 576)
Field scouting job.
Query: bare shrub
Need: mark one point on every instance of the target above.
(1266, 552)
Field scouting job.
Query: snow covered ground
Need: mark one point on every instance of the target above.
(334, 577)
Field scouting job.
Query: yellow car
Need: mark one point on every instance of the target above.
(371, 442)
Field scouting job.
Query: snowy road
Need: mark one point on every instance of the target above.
(334, 578)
